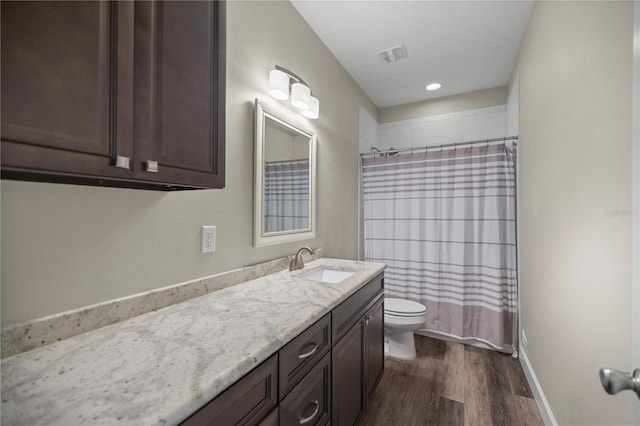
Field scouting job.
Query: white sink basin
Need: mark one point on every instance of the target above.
(326, 275)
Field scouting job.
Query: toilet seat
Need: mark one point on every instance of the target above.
(403, 308)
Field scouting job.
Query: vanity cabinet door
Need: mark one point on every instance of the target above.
(179, 91)
(347, 364)
(374, 347)
(272, 419)
(247, 402)
(350, 312)
(310, 401)
(358, 351)
(67, 89)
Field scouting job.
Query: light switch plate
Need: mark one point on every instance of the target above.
(208, 239)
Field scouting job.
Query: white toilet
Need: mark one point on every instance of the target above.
(401, 318)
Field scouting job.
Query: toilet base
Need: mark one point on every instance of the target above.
(400, 345)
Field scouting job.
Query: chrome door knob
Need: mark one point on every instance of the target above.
(614, 381)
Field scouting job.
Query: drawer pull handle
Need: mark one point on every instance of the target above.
(122, 162)
(308, 354)
(304, 420)
(152, 166)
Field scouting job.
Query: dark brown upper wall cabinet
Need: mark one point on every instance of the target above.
(114, 93)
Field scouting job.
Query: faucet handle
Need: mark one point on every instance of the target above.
(297, 262)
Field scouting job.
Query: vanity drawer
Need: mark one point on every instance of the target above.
(300, 355)
(246, 402)
(310, 401)
(346, 314)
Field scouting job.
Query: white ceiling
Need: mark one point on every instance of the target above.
(464, 45)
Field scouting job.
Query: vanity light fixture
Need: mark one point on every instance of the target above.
(314, 108)
(283, 83)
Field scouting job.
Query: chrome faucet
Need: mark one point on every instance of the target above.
(296, 261)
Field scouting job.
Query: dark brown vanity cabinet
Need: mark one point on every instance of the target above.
(127, 94)
(305, 376)
(358, 352)
(299, 356)
(373, 348)
(325, 375)
(310, 401)
(252, 400)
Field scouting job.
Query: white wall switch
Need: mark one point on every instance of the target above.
(208, 239)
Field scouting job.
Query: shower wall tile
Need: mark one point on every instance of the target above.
(437, 132)
(484, 126)
(480, 123)
(369, 131)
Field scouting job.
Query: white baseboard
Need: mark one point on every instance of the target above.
(543, 404)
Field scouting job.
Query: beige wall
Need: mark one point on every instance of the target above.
(456, 103)
(575, 132)
(69, 246)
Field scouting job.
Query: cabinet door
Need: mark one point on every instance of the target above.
(179, 92)
(347, 391)
(374, 347)
(349, 312)
(67, 87)
(272, 419)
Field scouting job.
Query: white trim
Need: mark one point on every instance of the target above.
(360, 211)
(365, 144)
(635, 202)
(260, 238)
(543, 404)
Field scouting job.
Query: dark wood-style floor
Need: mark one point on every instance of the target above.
(452, 384)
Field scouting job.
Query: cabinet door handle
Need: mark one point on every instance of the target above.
(308, 354)
(152, 166)
(304, 420)
(122, 162)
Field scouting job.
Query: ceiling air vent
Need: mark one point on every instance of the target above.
(392, 54)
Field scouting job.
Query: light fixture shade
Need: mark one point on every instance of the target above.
(300, 95)
(314, 108)
(278, 84)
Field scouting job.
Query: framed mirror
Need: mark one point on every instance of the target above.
(285, 178)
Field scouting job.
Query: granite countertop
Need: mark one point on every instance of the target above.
(160, 367)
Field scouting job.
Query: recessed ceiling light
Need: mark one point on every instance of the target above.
(433, 86)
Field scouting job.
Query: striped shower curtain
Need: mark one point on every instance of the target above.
(286, 196)
(444, 223)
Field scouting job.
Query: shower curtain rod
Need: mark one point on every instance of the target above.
(297, 160)
(393, 151)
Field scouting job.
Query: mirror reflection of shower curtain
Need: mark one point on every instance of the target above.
(286, 196)
(444, 223)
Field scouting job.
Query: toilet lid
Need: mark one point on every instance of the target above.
(402, 307)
